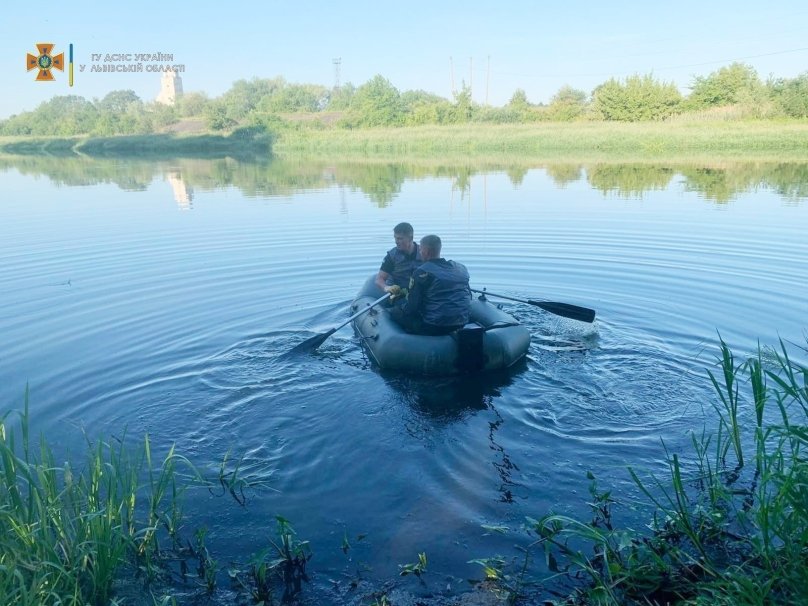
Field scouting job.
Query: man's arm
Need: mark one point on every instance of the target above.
(381, 280)
(418, 286)
(385, 271)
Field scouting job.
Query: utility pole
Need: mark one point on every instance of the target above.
(451, 74)
(336, 63)
(471, 81)
(487, 79)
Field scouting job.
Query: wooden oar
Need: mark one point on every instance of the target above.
(574, 312)
(314, 342)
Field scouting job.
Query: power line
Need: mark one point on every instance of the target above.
(655, 69)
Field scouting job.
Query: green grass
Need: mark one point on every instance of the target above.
(555, 140)
(241, 143)
(66, 534)
(730, 522)
(75, 535)
(682, 139)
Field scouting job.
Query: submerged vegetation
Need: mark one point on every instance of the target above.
(102, 531)
(730, 521)
(729, 524)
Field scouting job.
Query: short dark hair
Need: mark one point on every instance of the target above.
(432, 242)
(405, 229)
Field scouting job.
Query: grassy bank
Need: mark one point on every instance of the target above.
(680, 140)
(729, 525)
(239, 143)
(108, 529)
(595, 140)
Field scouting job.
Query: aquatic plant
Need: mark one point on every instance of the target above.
(68, 534)
(208, 567)
(417, 568)
(282, 563)
(722, 533)
(730, 519)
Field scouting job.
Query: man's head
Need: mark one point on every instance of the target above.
(430, 247)
(402, 234)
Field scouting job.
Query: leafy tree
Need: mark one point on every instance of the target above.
(518, 109)
(16, 125)
(729, 85)
(791, 95)
(567, 104)
(519, 99)
(295, 98)
(639, 98)
(63, 115)
(120, 112)
(66, 115)
(244, 96)
(463, 110)
(162, 115)
(377, 103)
(217, 116)
(412, 98)
(501, 115)
(119, 101)
(340, 98)
(192, 104)
(422, 107)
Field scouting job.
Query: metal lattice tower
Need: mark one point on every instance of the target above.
(337, 62)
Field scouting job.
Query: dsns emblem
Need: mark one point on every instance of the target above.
(45, 62)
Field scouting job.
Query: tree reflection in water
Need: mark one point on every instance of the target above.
(381, 180)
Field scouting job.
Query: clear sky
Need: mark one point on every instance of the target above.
(496, 47)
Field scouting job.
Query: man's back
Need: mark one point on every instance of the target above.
(445, 295)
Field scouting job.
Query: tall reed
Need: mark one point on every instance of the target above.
(66, 535)
(723, 532)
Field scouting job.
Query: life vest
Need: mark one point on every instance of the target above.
(405, 264)
(447, 299)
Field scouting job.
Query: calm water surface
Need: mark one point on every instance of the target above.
(159, 297)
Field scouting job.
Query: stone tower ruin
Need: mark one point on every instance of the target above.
(170, 88)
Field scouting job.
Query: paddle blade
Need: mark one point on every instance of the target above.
(582, 314)
(312, 343)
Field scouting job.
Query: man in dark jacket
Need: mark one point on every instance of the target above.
(400, 261)
(439, 299)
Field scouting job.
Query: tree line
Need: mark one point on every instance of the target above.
(731, 92)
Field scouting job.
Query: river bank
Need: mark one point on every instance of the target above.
(763, 139)
(553, 140)
(238, 143)
(730, 524)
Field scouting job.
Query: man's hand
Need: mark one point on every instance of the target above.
(396, 292)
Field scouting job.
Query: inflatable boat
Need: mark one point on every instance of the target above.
(492, 339)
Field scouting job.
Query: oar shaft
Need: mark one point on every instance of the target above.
(493, 294)
(314, 342)
(566, 310)
(384, 297)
